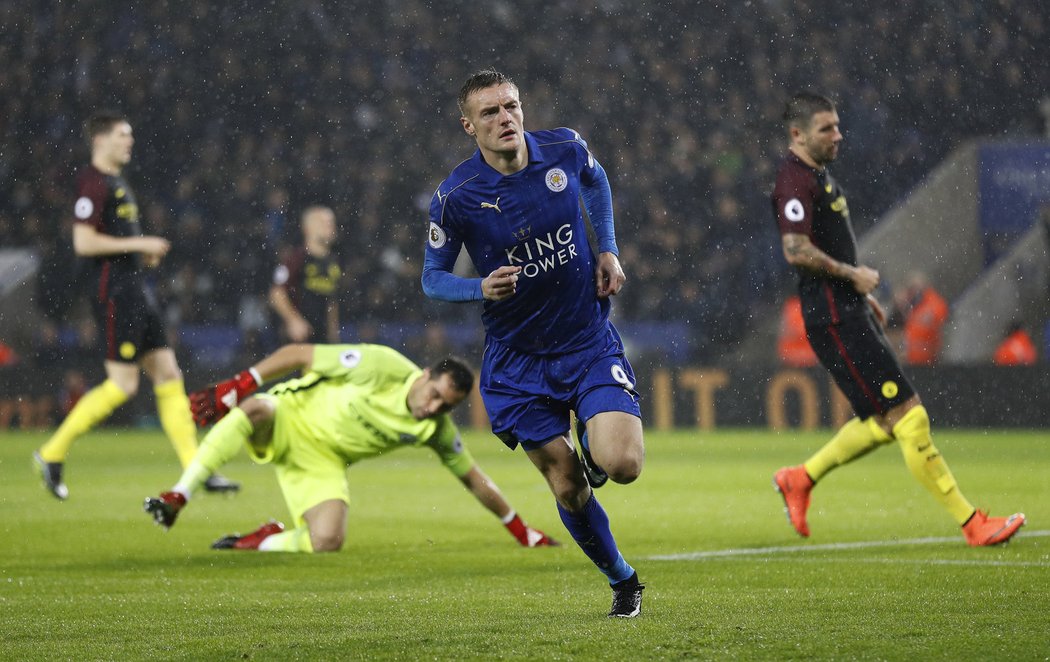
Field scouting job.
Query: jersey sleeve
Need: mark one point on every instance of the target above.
(588, 166)
(91, 199)
(361, 364)
(596, 194)
(443, 245)
(793, 201)
(288, 270)
(449, 446)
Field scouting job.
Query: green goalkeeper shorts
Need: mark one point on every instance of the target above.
(307, 471)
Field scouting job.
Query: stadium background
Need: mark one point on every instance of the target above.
(245, 114)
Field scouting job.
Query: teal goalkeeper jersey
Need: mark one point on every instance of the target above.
(353, 402)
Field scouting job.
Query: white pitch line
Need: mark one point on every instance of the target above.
(829, 547)
(961, 562)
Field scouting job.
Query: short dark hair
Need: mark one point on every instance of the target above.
(457, 370)
(479, 80)
(100, 123)
(800, 108)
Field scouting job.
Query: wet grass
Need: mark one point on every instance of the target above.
(428, 574)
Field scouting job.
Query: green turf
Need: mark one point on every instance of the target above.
(428, 574)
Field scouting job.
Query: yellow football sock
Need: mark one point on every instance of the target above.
(927, 465)
(173, 408)
(296, 540)
(219, 446)
(853, 440)
(93, 407)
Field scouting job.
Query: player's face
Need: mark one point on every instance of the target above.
(433, 396)
(115, 146)
(320, 226)
(494, 119)
(821, 139)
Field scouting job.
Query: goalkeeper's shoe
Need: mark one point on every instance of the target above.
(981, 530)
(250, 541)
(627, 598)
(165, 508)
(596, 476)
(794, 485)
(51, 472)
(220, 483)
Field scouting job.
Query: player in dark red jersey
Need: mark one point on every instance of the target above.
(107, 230)
(844, 326)
(306, 284)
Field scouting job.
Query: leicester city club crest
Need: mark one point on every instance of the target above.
(557, 180)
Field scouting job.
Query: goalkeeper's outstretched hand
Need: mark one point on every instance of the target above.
(212, 403)
(528, 536)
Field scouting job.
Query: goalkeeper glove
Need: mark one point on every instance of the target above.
(526, 535)
(210, 404)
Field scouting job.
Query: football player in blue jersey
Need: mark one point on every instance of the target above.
(518, 206)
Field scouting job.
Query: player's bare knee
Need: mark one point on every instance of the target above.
(257, 410)
(625, 469)
(326, 541)
(130, 387)
(572, 496)
(622, 459)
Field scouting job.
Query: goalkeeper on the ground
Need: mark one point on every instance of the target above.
(353, 402)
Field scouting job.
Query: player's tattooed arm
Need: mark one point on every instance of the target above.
(799, 251)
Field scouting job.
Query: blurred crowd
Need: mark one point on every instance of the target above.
(246, 113)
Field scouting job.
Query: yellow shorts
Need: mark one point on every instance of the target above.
(307, 471)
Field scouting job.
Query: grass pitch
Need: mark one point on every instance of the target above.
(428, 574)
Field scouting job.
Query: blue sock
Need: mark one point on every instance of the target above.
(590, 530)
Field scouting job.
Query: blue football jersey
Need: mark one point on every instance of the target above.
(532, 219)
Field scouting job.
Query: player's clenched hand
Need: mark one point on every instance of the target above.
(500, 284)
(609, 275)
(865, 279)
(210, 404)
(153, 248)
(536, 538)
(528, 536)
(299, 330)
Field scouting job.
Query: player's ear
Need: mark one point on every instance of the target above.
(468, 127)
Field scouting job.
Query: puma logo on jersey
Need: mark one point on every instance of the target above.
(492, 205)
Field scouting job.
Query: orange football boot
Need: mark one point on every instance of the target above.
(794, 485)
(981, 530)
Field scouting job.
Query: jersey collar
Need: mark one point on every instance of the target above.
(490, 174)
(797, 159)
